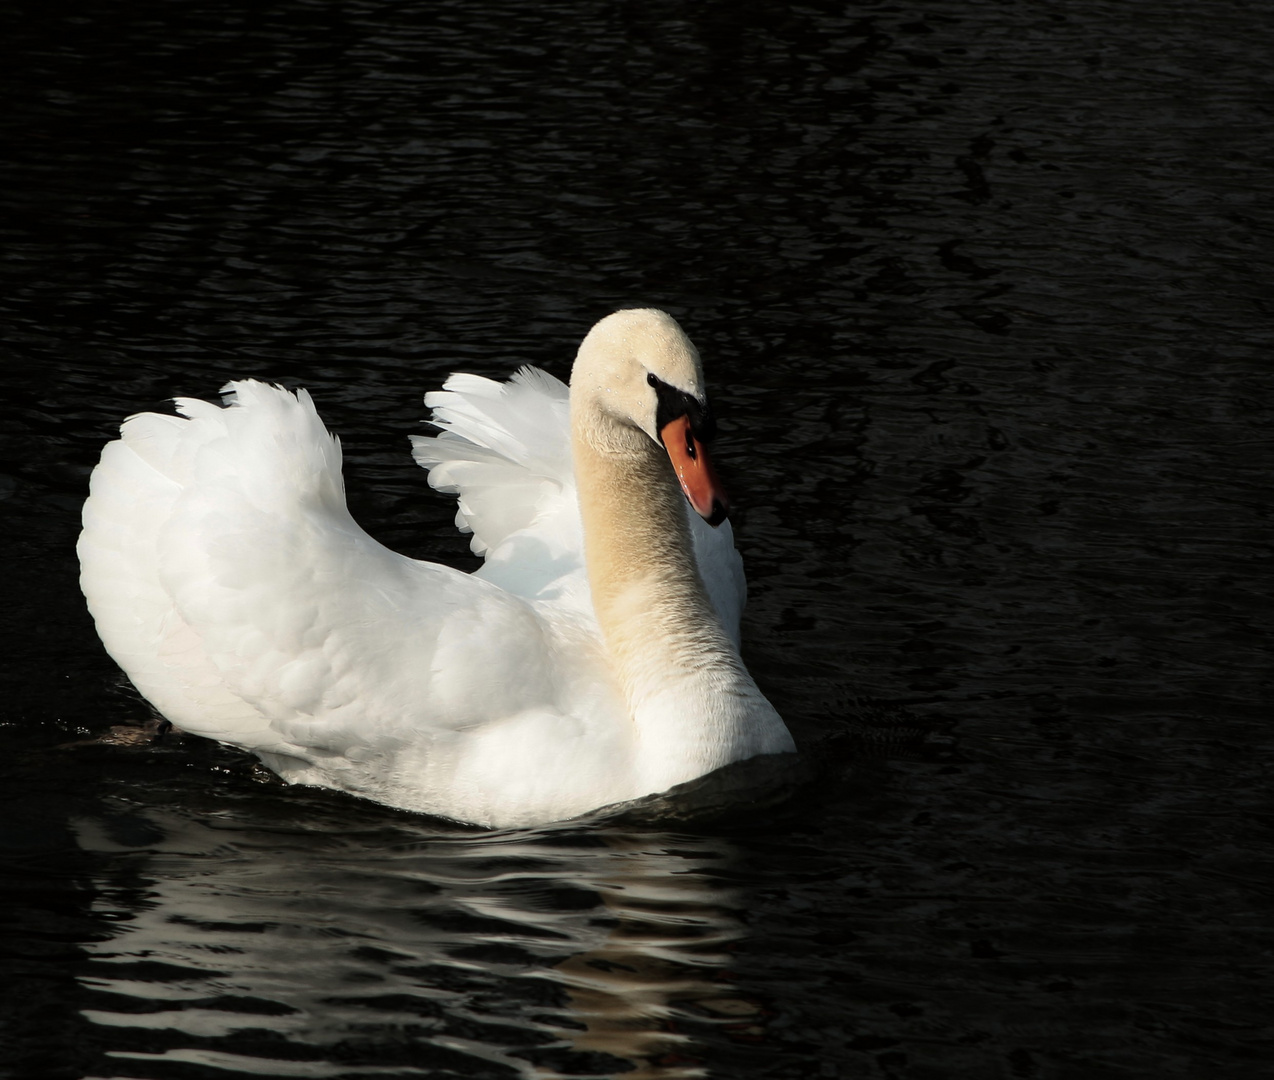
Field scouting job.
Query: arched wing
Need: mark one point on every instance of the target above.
(229, 580)
(505, 453)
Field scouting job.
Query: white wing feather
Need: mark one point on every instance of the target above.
(505, 451)
(262, 613)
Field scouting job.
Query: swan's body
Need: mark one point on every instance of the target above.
(593, 659)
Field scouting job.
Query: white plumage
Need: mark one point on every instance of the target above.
(230, 582)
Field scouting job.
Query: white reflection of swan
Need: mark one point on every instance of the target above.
(401, 950)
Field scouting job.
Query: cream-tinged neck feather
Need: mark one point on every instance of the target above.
(693, 702)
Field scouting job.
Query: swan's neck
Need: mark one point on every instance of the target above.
(693, 702)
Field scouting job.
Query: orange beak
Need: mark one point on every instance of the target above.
(694, 469)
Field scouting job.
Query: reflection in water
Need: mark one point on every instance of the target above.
(305, 950)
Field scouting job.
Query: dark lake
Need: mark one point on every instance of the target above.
(984, 296)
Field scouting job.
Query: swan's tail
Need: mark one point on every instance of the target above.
(504, 450)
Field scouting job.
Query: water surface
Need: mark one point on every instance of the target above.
(983, 297)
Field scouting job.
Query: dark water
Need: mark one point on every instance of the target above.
(984, 296)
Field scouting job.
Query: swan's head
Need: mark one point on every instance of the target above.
(639, 371)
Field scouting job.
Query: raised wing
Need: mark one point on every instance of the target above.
(505, 452)
(229, 580)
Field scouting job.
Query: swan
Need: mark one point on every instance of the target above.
(593, 659)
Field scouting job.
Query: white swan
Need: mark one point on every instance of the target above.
(593, 659)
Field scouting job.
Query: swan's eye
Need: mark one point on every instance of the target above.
(651, 380)
(690, 443)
